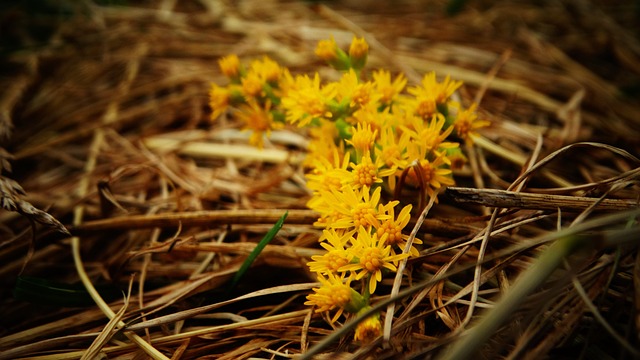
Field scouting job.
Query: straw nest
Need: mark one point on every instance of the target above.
(106, 134)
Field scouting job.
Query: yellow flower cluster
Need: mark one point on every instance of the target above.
(253, 93)
(370, 138)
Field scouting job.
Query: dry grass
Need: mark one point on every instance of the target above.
(104, 119)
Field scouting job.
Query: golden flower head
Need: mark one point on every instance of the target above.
(365, 172)
(388, 90)
(307, 100)
(356, 207)
(230, 66)
(362, 137)
(467, 122)
(252, 85)
(358, 51)
(368, 329)
(335, 292)
(259, 119)
(327, 50)
(373, 255)
(334, 242)
(219, 98)
(266, 69)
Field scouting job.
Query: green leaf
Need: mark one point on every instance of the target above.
(258, 249)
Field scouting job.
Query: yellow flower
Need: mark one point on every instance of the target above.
(257, 119)
(393, 227)
(334, 292)
(430, 137)
(252, 85)
(369, 329)
(329, 215)
(373, 255)
(387, 89)
(354, 207)
(266, 69)
(336, 256)
(431, 88)
(467, 122)
(391, 146)
(369, 114)
(306, 100)
(230, 66)
(365, 172)
(446, 88)
(362, 138)
(327, 49)
(218, 100)
(323, 145)
(354, 92)
(328, 173)
(430, 94)
(362, 95)
(432, 175)
(358, 51)
(391, 150)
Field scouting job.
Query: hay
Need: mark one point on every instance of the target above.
(105, 125)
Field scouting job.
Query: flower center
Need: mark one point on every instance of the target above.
(426, 108)
(335, 261)
(361, 214)
(394, 232)
(371, 259)
(364, 174)
(251, 85)
(340, 294)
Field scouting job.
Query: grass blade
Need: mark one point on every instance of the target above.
(258, 249)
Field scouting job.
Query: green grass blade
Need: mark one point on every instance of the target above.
(258, 249)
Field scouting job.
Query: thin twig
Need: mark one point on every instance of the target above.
(512, 199)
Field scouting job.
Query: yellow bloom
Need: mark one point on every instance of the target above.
(369, 329)
(230, 66)
(355, 207)
(369, 114)
(358, 51)
(218, 100)
(393, 227)
(329, 215)
(306, 100)
(430, 137)
(357, 94)
(323, 145)
(391, 150)
(430, 94)
(257, 119)
(328, 172)
(432, 175)
(327, 49)
(373, 255)
(266, 69)
(387, 89)
(467, 122)
(446, 88)
(358, 48)
(252, 85)
(365, 172)
(334, 292)
(431, 88)
(362, 138)
(335, 242)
